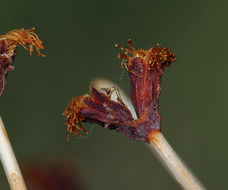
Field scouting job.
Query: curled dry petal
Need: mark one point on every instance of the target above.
(145, 68)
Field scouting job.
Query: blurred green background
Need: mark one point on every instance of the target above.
(79, 38)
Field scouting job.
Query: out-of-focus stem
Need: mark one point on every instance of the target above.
(160, 147)
(9, 161)
(173, 163)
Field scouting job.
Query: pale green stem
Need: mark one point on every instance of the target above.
(9, 161)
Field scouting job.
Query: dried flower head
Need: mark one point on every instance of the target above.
(145, 68)
(8, 49)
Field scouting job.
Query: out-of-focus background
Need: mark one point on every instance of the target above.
(79, 38)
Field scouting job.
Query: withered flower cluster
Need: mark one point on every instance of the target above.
(8, 49)
(145, 68)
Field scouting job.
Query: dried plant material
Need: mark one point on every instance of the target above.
(96, 107)
(145, 68)
(72, 113)
(27, 38)
(8, 49)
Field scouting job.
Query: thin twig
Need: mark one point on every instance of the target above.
(161, 148)
(9, 161)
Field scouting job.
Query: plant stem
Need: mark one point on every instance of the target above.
(161, 147)
(9, 161)
(173, 163)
